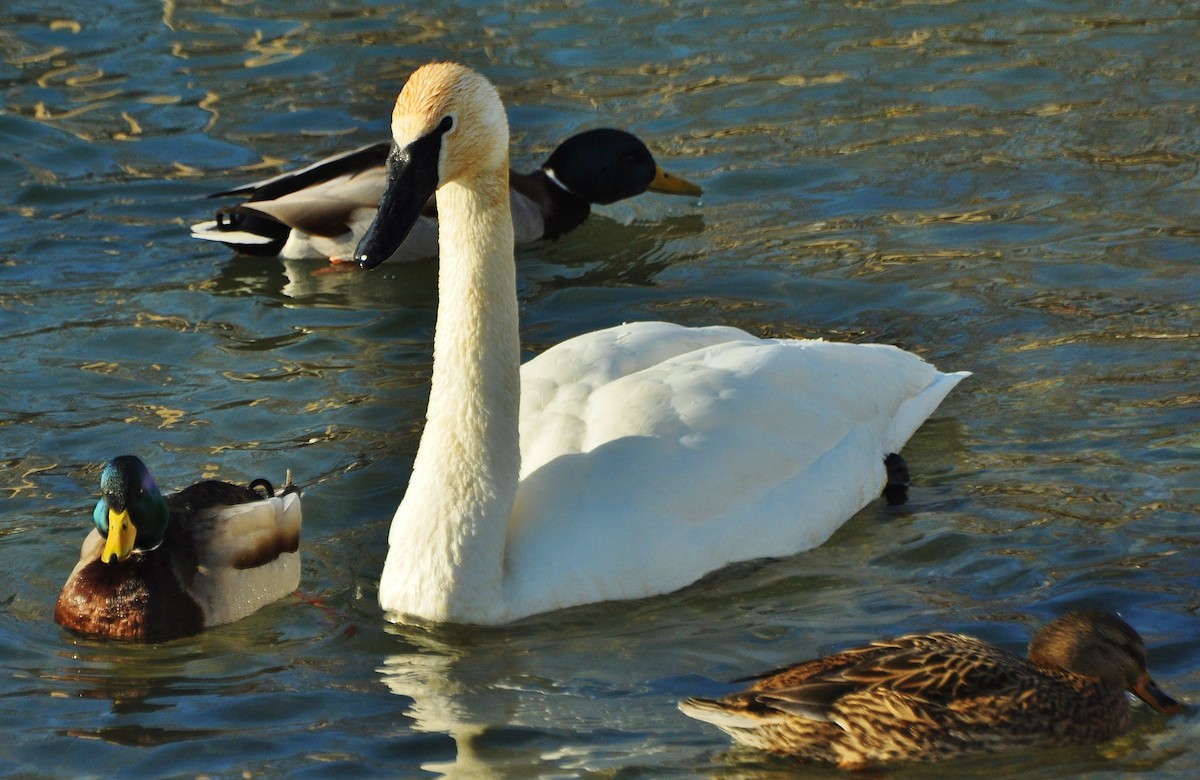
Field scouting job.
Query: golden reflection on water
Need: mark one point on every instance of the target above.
(269, 52)
(1013, 196)
(158, 416)
(20, 476)
(42, 56)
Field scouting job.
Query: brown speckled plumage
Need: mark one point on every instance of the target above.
(929, 697)
(150, 596)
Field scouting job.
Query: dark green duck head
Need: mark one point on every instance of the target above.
(131, 513)
(605, 165)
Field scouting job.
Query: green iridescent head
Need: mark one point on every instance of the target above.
(131, 513)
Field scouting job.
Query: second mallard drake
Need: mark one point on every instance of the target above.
(926, 697)
(324, 209)
(156, 568)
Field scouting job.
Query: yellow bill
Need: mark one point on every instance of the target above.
(670, 184)
(121, 535)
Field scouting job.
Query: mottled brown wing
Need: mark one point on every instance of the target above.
(932, 667)
(817, 668)
(944, 667)
(811, 689)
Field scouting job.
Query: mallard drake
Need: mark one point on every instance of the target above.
(927, 697)
(622, 463)
(323, 210)
(156, 568)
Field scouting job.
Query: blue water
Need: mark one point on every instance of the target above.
(1006, 188)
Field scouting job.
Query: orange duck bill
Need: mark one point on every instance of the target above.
(1148, 691)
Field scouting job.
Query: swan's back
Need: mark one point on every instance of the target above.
(654, 453)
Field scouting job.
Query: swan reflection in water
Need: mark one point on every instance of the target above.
(444, 680)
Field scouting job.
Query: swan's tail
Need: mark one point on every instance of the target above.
(917, 409)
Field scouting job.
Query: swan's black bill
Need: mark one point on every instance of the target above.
(412, 178)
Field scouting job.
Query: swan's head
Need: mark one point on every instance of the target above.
(448, 124)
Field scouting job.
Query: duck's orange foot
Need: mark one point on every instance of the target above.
(337, 265)
(333, 614)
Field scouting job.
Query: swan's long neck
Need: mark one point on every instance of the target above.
(446, 558)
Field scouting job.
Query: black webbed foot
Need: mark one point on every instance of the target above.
(895, 492)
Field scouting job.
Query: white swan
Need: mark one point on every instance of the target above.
(619, 464)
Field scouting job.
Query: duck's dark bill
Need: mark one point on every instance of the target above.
(412, 178)
(1148, 691)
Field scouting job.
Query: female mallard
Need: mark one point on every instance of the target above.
(158, 568)
(323, 210)
(622, 463)
(927, 697)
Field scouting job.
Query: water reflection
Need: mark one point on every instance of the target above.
(1013, 193)
(607, 254)
(453, 686)
(135, 680)
(410, 286)
(614, 254)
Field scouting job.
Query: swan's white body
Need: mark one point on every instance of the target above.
(622, 463)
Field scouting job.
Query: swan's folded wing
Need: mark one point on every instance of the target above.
(556, 387)
(639, 476)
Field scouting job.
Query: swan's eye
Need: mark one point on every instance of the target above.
(446, 125)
